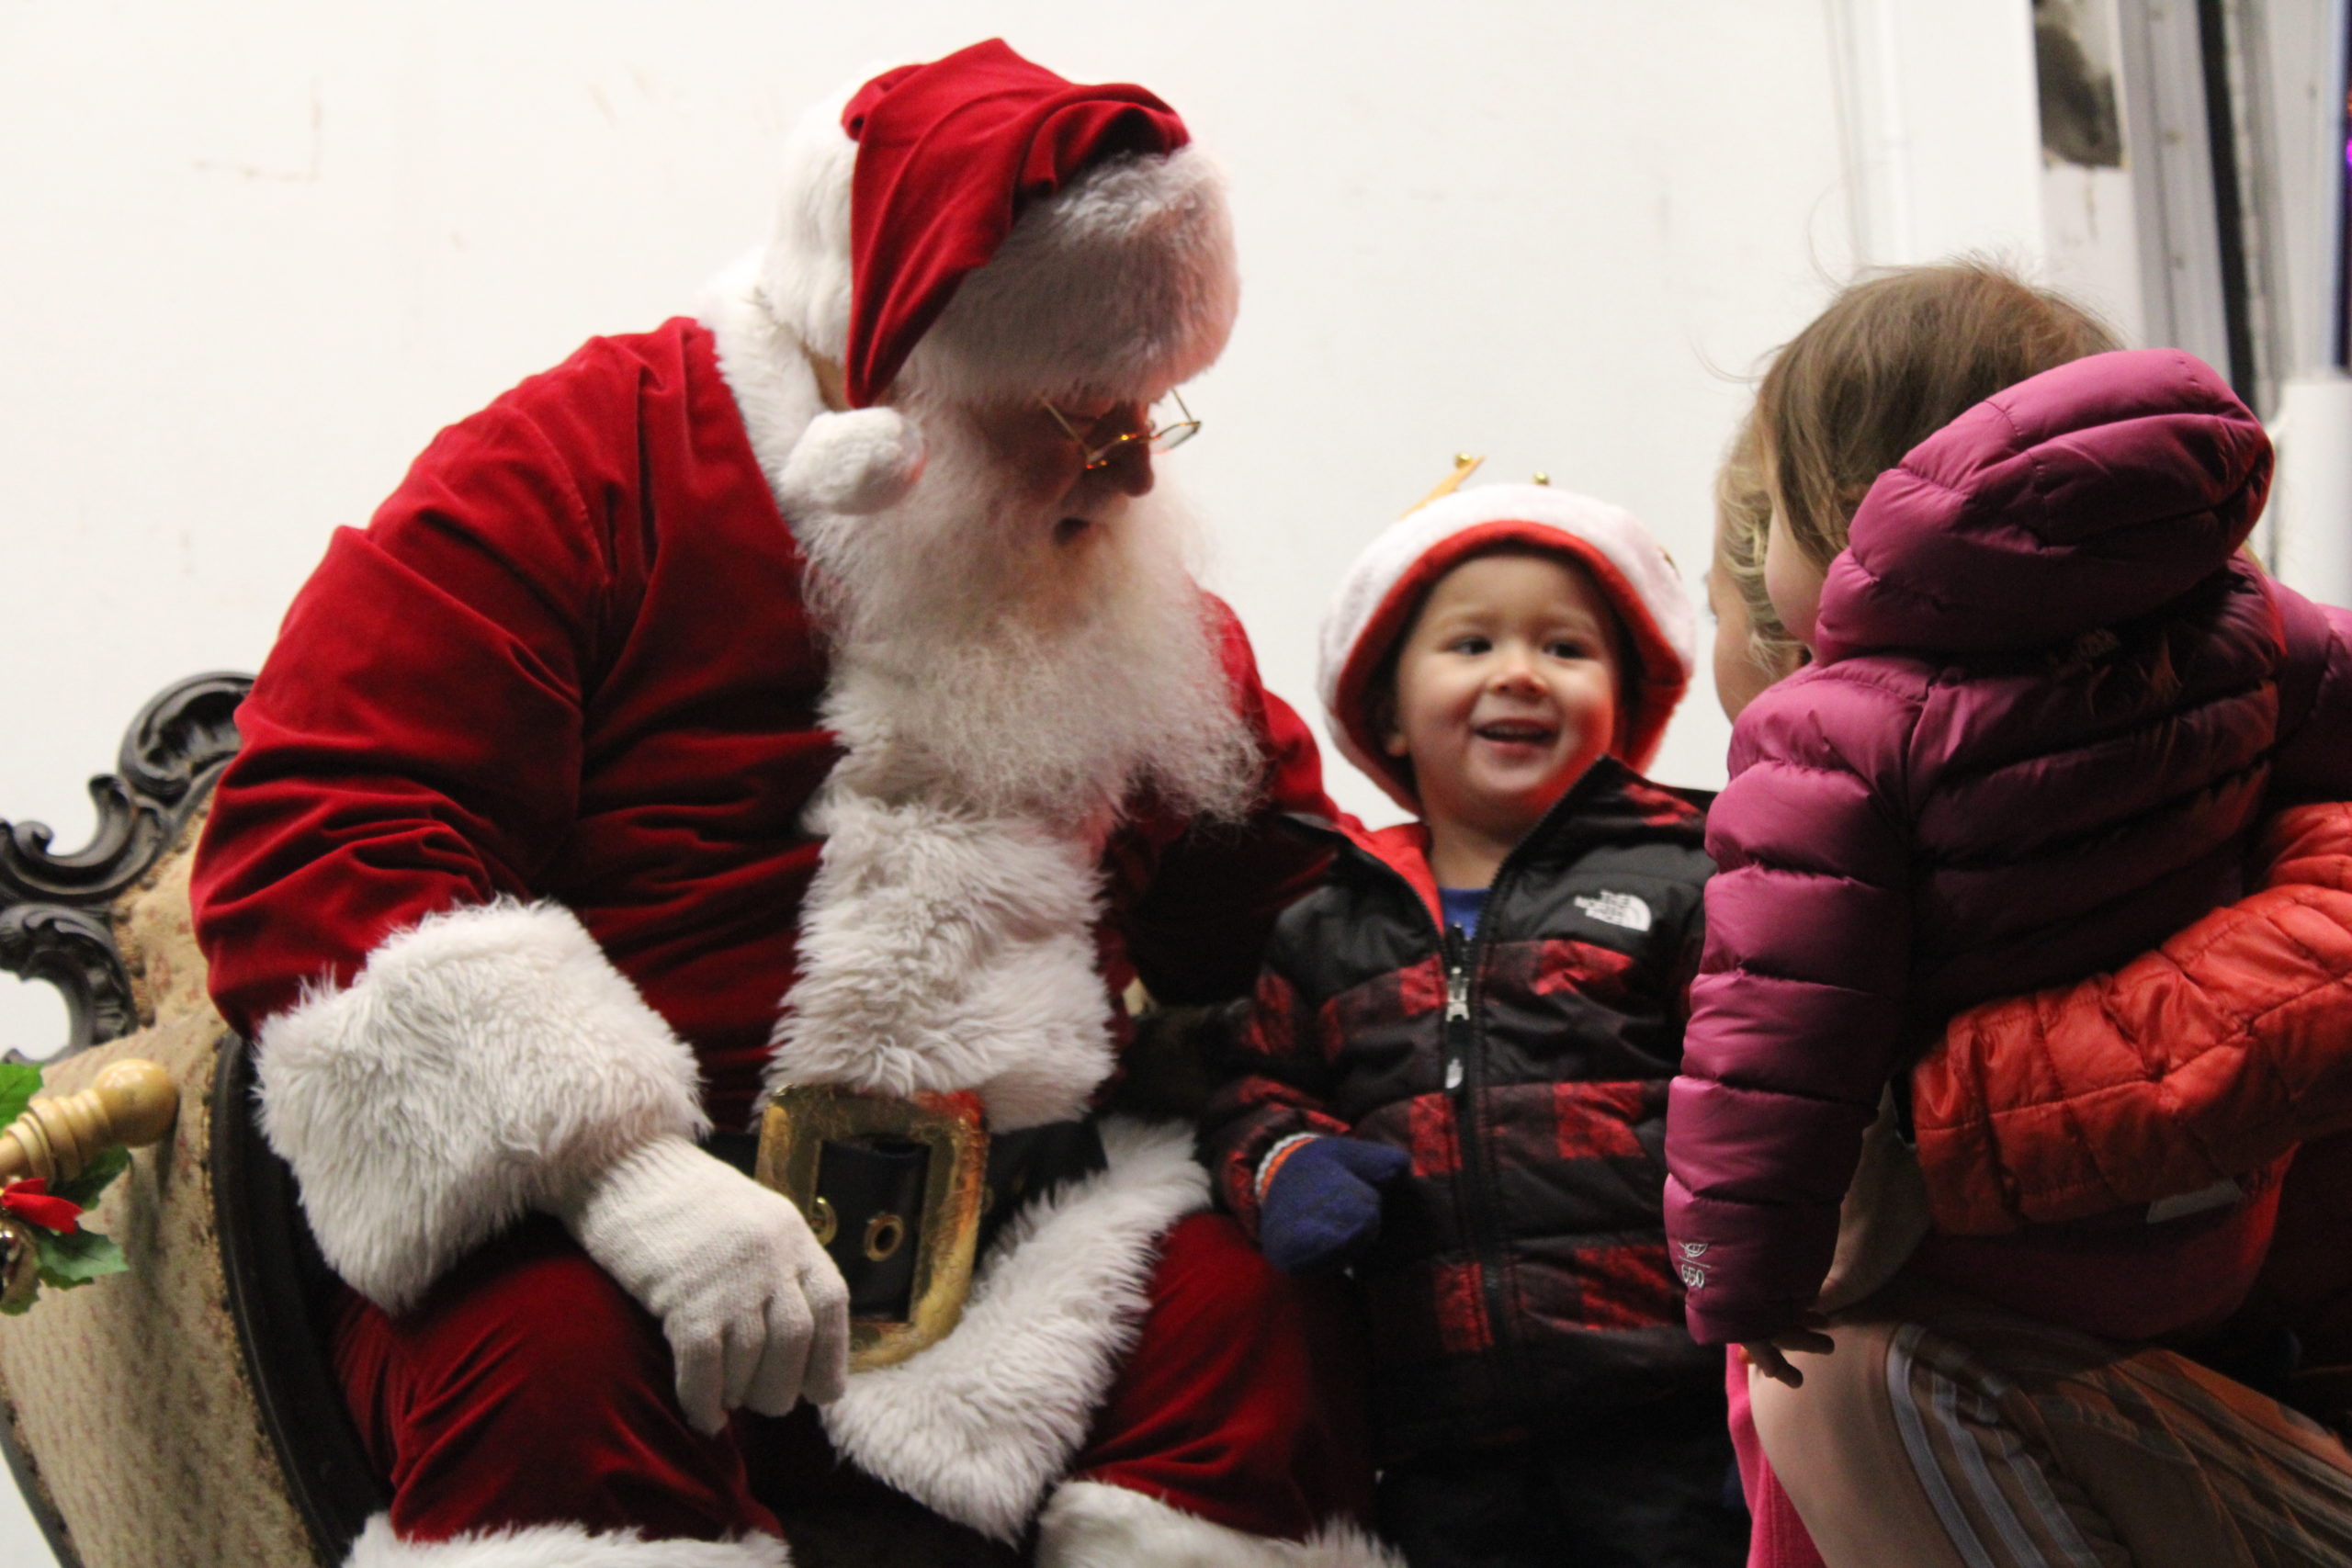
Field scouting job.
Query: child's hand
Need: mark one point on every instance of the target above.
(1771, 1355)
(1323, 1204)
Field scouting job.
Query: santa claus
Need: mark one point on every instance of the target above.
(805, 694)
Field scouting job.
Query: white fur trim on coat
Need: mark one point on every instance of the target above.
(941, 950)
(1091, 1524)
(559, 1546)
(483, 1062)
(1123, 284)
(976, 1426)
(765, 369)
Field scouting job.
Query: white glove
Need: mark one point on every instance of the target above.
(756, 1314)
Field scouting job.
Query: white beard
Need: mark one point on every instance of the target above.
(1003, 692)
(981, 662)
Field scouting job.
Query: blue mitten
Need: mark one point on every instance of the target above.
(1323, 1204)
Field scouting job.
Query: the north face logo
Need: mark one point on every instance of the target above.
(1616, 909)
(1694, 1248)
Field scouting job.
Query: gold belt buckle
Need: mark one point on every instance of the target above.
(802, 1118)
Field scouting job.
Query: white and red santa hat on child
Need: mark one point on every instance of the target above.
(983, 229)
(1383, 591)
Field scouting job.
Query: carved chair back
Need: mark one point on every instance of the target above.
(184, 1412)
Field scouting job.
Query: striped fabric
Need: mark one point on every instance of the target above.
(2041, 1447)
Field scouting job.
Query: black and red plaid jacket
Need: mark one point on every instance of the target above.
(1520, 1284)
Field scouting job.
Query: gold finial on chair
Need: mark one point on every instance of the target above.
(132, 1102)
(1464, 465)
(1542, 477)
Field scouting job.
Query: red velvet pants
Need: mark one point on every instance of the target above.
(527, 1389)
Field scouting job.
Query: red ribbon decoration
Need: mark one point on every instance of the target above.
(30, 1201)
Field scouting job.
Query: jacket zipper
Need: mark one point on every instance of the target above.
(1464, 1076)
(1457, 1012)
(1465, 1065)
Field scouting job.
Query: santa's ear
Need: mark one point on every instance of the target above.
(858, 461)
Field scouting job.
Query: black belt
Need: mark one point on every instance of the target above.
(873, 1187)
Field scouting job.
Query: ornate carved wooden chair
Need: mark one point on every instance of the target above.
(181, 1412)
(184, 1413)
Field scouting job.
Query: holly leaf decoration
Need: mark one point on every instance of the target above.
(95, 1177)
(19, 1081)
(67, 1261)
(63, 1262)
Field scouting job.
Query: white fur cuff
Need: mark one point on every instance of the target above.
(483, 1062)
(559, 1546)
(1090, 1525)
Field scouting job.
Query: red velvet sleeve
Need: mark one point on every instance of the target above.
(413, 741)
(1199, 931)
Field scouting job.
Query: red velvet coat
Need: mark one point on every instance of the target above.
(569, 660)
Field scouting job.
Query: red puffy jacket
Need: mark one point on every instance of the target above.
(2208, 1057)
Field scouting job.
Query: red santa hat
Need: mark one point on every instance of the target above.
(1383, 591)
(983, 229)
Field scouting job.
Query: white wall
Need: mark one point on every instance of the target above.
(2304, 56)
(259, 251)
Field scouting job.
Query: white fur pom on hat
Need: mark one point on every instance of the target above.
(854, 462)
(1383, 591)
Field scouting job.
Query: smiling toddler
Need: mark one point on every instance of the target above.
(1453, 1078)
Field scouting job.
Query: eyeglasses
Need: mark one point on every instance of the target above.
(1159, 437)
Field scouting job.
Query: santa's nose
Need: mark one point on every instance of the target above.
(1128, 468)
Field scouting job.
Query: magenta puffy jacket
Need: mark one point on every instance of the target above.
(2049, 704)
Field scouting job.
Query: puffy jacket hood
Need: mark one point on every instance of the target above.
(2082, 497)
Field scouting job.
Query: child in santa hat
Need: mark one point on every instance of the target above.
(1454, 1078)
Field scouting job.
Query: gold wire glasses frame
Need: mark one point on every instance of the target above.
(1161, 437)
